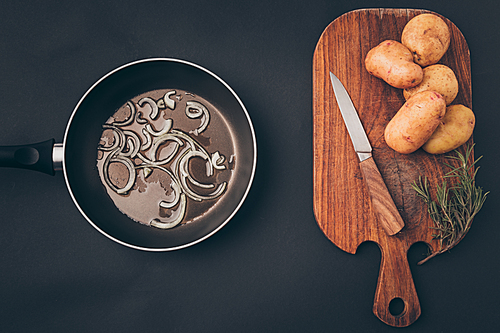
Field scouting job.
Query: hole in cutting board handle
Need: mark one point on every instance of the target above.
(397, 307)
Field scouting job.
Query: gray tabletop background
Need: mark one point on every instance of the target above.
(270, 269)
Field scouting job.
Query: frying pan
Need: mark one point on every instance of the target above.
(76, 156)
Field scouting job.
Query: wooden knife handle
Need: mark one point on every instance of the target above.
(385, 209)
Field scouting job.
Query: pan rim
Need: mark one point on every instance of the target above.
(224, 222)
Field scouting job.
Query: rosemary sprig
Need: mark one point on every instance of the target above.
(456, 206)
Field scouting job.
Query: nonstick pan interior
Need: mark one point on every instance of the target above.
(85, 128)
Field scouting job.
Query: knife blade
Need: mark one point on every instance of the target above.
(382, 203)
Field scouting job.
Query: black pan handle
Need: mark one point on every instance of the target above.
(36, 156)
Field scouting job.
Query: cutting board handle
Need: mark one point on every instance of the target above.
(395, 284)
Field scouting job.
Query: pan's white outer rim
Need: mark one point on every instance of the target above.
(223, 223)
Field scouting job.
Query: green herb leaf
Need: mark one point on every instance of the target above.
(455, 207)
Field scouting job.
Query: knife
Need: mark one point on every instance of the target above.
(383, 205)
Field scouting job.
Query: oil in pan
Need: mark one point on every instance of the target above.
(166, 158)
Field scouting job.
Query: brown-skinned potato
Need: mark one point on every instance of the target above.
(439, 78)
(427, 36)
(454, 130)
(392, 62)
(415, 122)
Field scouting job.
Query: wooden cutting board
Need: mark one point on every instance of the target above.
(341, 203)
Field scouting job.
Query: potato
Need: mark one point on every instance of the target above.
(439, 78)
(392, 62)
(427, 36)
(415, 122)
(453, 131)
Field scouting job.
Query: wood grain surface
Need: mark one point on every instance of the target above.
(386, 211)
(341, 200)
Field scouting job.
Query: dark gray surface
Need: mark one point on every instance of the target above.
(270, 269)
